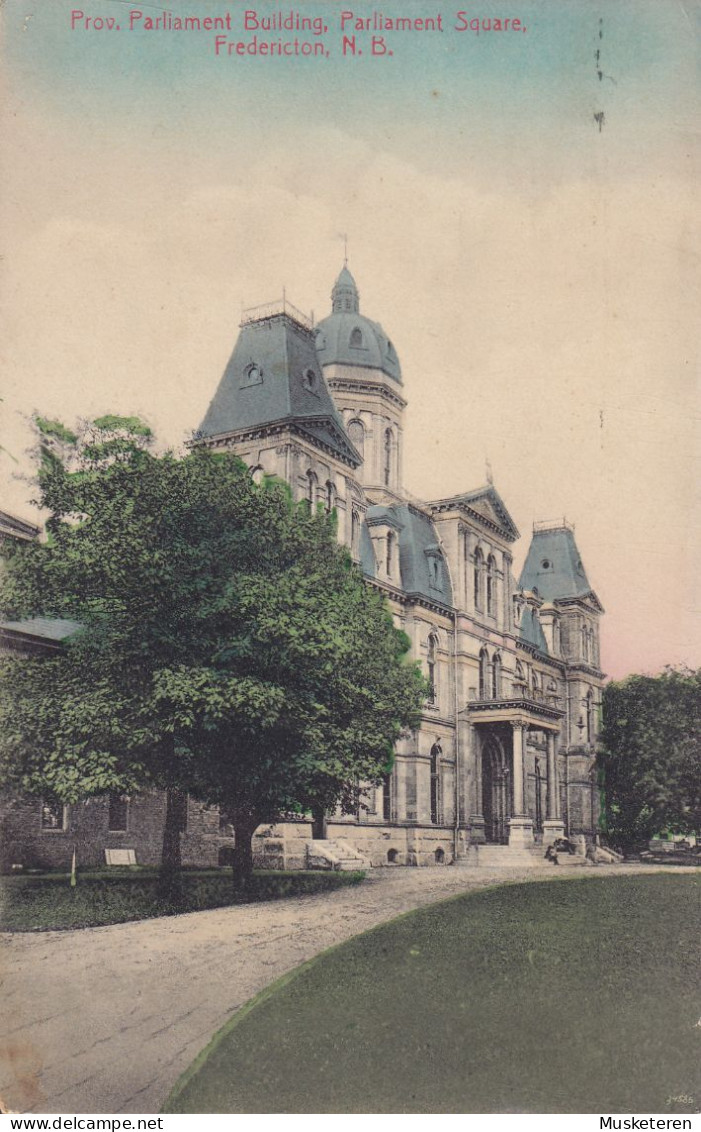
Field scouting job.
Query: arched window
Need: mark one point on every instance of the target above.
(483, 675)
(520, 678)
(496, 677)
(389, 561)
(388, 457)
(491, 585)
(535, 685)
(355, 532)
(356, 338)
(258, 474)
(436, 752)
(312, 486)
(330, 496)
(432, 669)
(356, 435)
(478, 572)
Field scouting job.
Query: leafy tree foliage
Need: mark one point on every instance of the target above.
(651, 755)
(228, 646)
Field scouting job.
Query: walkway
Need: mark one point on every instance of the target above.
(105, 1020)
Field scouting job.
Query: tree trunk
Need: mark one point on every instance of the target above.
(170, 881)
(319, 825)
(245, 826)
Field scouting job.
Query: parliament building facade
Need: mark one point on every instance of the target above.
(503, 761)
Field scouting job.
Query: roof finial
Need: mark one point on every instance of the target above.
(490, 477)
(345, 249)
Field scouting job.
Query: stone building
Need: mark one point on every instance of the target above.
(503, 759)
(504, 755)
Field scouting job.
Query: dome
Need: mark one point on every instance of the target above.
(347, 338)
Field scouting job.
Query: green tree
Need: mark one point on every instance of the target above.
(228, 646)
(651, 755)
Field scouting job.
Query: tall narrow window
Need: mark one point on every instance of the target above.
(356, 434)
(330, 496)
(355, 533)
(491, 585)
(484, 675)
(590, 716)
(387, 797)
(477, 580)
(436, 753)
(496, 677)
(585, 643)
(389, 562)
(535, 685)
(432, 675)
(312, 484)
(388, 457)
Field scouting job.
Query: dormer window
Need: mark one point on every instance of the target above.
(252, 375)
(310, 381)
(356, 338)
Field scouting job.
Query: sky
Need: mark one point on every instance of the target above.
(536, 266)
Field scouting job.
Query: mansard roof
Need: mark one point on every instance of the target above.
(486, 506)
(273, 377)
(553, 567)
(531, 630)
(422, 564)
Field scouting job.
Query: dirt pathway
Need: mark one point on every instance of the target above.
(105, 1020)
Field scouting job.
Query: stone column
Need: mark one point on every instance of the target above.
(520, 826)
(553, 827)
(477, 833)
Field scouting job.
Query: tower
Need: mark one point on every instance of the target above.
(362, 372)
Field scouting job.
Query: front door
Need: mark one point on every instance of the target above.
(496, 792)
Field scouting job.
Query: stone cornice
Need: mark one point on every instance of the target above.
(287, 424)
(444, 505)
(350, 385)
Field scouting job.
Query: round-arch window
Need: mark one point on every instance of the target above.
(356, 338)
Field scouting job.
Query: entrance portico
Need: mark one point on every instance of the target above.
(500, 807)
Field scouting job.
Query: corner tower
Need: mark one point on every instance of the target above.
(362, 372)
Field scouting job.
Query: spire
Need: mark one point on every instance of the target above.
(344, 297)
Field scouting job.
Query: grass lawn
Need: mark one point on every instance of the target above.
(578, 996)
(30, 903)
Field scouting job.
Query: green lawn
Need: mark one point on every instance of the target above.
(578, 996)
(30, 903)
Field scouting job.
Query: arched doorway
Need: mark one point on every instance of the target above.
(496, 791)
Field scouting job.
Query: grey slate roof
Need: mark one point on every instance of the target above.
(274, 376)
(531, 631)
(47, 628)
(348, 338)
(553, 566)
(418, 547)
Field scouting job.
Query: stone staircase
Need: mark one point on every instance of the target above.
(335, 854)
(512, 856)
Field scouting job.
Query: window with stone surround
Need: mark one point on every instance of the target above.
(54, 816)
